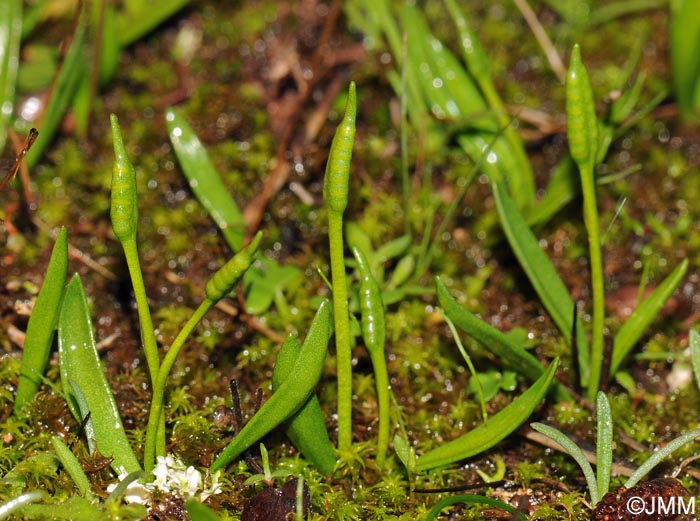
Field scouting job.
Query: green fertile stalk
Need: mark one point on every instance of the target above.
(374, 335)
(124, 214)
(335, 194)
(582, 130)
(217, 288)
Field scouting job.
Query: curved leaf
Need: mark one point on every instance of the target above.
(494, 430)
(80, 363)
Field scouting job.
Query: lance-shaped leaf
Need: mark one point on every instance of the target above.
(80, 363)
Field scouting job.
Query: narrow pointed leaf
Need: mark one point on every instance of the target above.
(659, 455)
(541, 272)
(291, 394)
(69, 78)
(575, 452)
(10, 36)
(604, 439)
(204, 180)
(494, 430)
(511, 354)
(307, 427)
(80, 363)
(636, 324)
(42, 323)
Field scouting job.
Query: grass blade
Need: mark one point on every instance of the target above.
(511, 354)
(540, 271)
(42, 323)
(10, 36)
(685, 48)
(205, 180)
(134, 25)
(80, 362)
(633, 329)
(494, 430)
(575, 452)
(604, 438)
(64, 89)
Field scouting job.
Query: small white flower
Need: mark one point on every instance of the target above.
(136, 492)
(174, 477)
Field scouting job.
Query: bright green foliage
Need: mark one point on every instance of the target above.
(472, 498)
(72, 466)
(374, 334)
(307, 427)
(291, 394)
(604, 443)
(124, 209)
(81, 369)
(204, 180)
(511, 354)
(10, 33)
(65, 87)
(335, 195)
(598, 485)
(124, 215)
(632, 330)
(685, 49)
(582, 131)
(494, 430)
(221, 283)
(544, 278)
(42, 323)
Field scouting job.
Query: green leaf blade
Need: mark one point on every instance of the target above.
(204, 180)
(632, 330)
(10, 37)
(512, 355)
(80, 363)
(541, 272)
(494, 430)
(291, 394)
(307, 427)
(604, 439)
(69, 77)
(42, 323)
(575, 452)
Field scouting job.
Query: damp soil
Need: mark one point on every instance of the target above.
(261, 91)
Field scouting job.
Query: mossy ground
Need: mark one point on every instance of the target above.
(234, 90)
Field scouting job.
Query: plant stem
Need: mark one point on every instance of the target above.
(154, 445)
(148, 337)
(590, 217)
(342, 330)
(335, 195)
